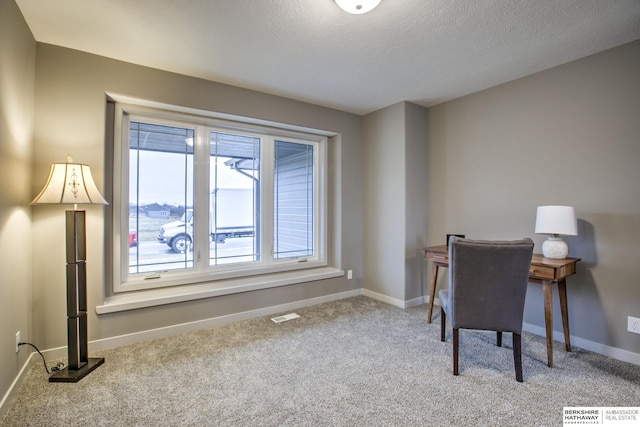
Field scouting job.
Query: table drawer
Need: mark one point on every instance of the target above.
(440, 259)
(542, 272)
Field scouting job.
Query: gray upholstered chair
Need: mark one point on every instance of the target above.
(487, 286)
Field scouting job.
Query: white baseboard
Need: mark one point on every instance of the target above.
(117, 341)
(613, 352)
(107, 343)
(384, 298)
(397, 302)
(112, 342)
(421, 300)
(17, 382)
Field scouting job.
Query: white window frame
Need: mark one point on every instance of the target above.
(127, 292)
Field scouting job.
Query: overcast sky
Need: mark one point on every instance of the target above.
(163, 179)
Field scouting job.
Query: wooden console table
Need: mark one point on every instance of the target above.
(543, 271)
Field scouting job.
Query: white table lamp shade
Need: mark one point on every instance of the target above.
(556, 221)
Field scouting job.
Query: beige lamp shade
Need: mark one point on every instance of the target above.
(70, 183)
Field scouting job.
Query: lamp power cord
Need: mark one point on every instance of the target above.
(59, 366)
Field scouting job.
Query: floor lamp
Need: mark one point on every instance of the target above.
(72, 183)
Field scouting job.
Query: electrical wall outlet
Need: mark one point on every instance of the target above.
(633, 325)
(17, 341)
(349, 274)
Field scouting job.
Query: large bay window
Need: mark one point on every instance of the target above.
(198, 200)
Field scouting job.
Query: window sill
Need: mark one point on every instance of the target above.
(142, 299)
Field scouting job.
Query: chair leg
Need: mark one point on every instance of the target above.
(517, 356)
(499, 338)
(455, 351)
(443, 320)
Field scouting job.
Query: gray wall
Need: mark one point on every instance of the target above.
(17, 68)
(396, 208)
(70, 118)
(416, 201)
(568, 135)
(384, 213)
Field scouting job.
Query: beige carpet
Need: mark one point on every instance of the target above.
(353, 362)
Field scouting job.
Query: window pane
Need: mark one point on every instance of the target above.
(193, 185)
(234, 198)
(160, 197)
(293, 200)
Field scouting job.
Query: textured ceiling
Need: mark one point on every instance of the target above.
(424, 51)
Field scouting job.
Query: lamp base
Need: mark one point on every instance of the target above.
(74, 375)
(555, 247)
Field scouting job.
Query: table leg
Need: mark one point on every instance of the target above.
(562, 292)
(548, 319)
(432, 289)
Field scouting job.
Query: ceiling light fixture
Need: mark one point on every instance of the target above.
(358, 7)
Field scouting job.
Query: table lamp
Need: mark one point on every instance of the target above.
(556, 221)
(72, 183)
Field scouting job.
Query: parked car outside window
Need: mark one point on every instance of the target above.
(133, 239)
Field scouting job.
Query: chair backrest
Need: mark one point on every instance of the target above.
(488, 282)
